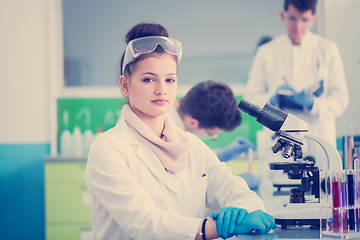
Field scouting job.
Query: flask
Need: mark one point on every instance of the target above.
(88, 139)
(88, 136)
(77, 143)
(65, 137)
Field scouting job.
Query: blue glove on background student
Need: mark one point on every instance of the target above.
(252, 180)
(293, 100)
(304, 98)
(234, 149)
(274, 100)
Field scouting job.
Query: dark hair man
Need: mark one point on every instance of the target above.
(210, 108)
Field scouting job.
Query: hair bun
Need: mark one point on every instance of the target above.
(145, 30)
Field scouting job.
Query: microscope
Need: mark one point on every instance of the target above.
(291, 133)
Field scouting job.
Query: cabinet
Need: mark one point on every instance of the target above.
(67, 207)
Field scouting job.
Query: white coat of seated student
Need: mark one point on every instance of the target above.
(148, 179)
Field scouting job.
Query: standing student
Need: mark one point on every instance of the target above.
(150, 180)
(301, 72)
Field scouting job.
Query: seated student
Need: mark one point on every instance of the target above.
(148, 179)
(209, 108)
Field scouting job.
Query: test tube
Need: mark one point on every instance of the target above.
(344, 201)
(357, 198)
(335, 191)
(351, 200)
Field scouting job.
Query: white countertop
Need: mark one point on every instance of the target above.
(293, 233)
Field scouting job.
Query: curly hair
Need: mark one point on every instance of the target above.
(213, 104)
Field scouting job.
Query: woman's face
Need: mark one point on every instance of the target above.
(152, 86)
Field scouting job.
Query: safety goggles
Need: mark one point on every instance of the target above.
(208, 136)
(144, 45)
(303, 21)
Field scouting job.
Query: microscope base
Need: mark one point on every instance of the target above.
(314, 223)
(299, 214)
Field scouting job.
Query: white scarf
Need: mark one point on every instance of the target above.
(172, 149)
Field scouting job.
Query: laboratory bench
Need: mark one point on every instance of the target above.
(304, 233)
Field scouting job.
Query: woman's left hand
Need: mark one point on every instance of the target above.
(259, 221)
(227, 219)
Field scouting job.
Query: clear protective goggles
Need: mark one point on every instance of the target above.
(144, 45)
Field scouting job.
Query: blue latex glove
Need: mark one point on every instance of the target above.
(252, 180)
(274, 100)
(304, 98)
(227, 220)
(258, 220)
(234, 149)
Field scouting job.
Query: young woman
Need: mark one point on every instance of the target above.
(150, 180)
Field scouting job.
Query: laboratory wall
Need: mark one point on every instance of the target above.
(341, 20)
(24, 117)
(218, 39)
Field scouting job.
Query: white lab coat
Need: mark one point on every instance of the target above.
(303, 65)
(133, 197)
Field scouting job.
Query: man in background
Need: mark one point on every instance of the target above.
(300, 72)
(210, 108)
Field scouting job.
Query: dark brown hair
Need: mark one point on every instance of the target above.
(213, 104)
(301, 5)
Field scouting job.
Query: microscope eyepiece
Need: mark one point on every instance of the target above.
(270, 116)
(250, 109)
